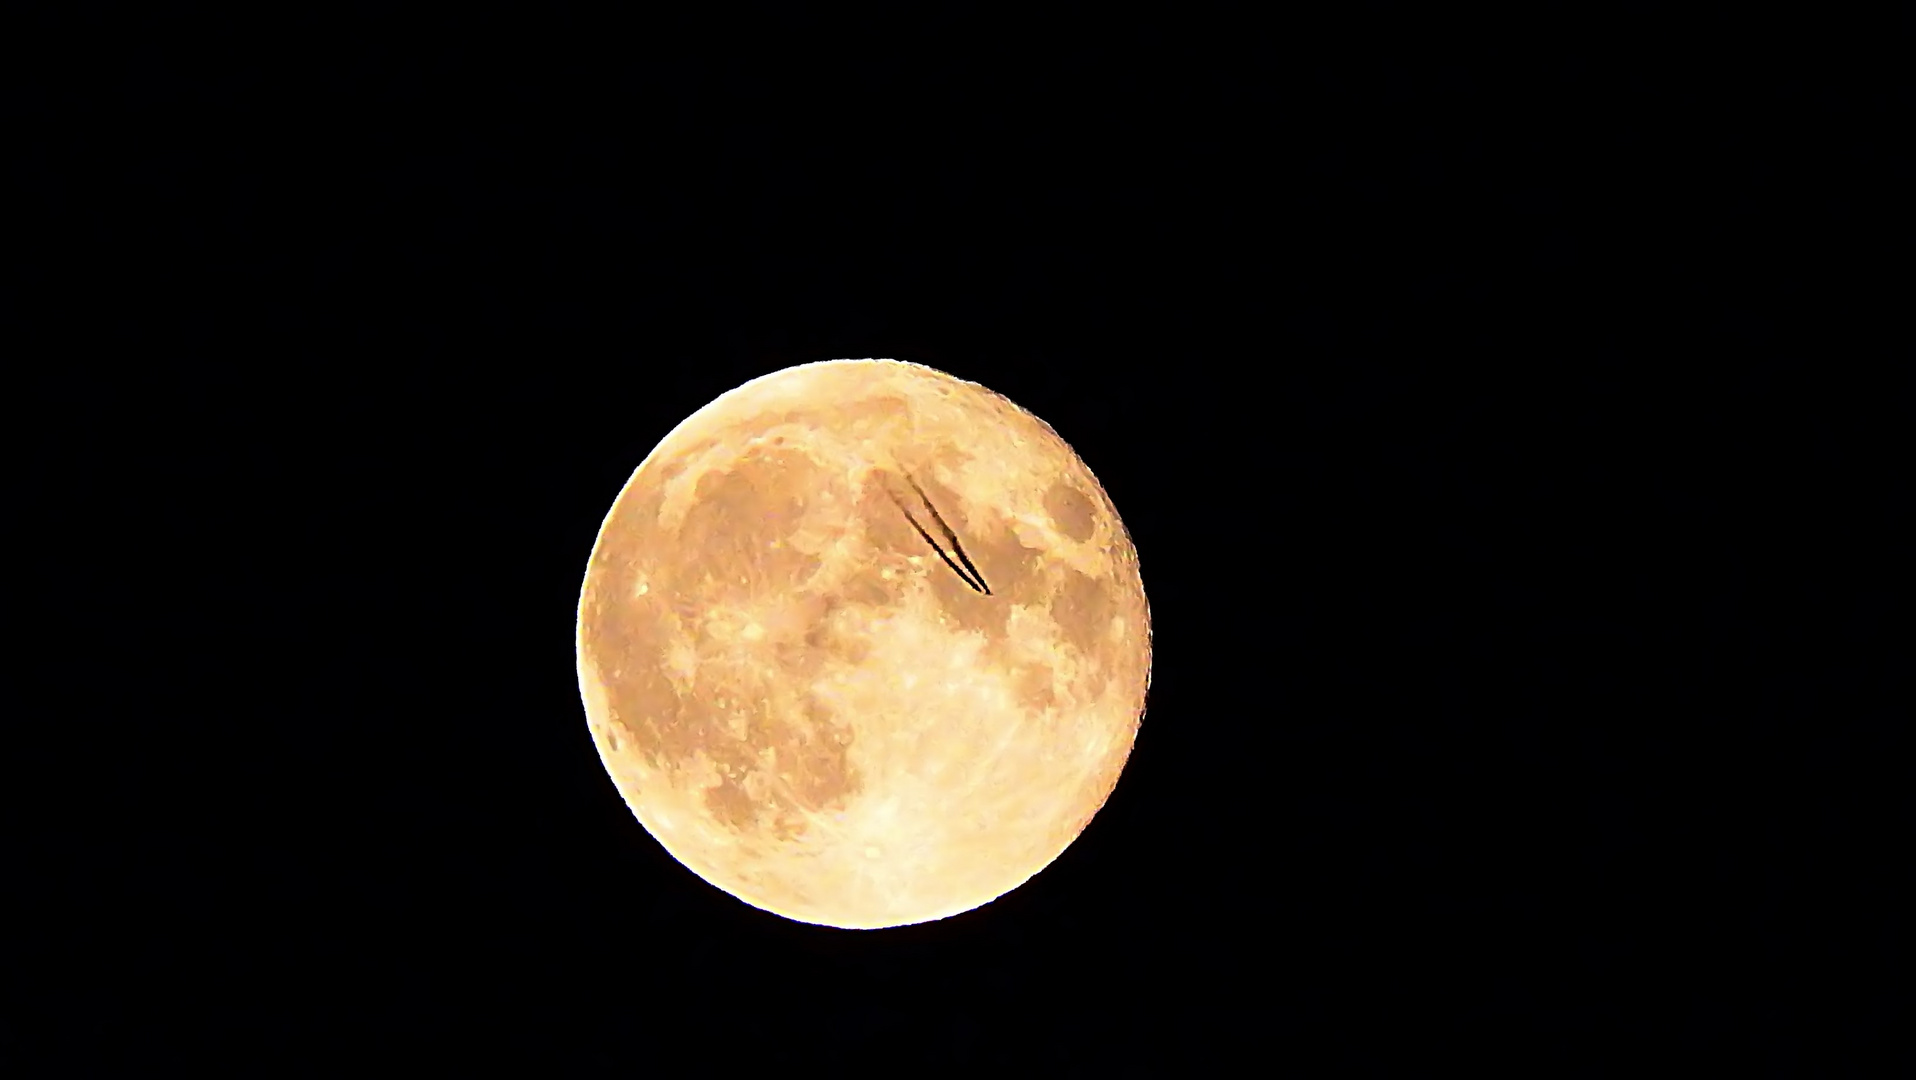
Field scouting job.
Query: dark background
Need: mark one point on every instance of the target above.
(1493, 409)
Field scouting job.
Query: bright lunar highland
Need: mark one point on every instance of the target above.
(863, 644)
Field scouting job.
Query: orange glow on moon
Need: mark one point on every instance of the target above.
(863, 644)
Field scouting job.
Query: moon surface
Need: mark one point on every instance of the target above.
(863, 644)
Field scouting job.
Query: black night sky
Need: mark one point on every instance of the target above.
(1495, 420)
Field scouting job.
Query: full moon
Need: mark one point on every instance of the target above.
(863, 644)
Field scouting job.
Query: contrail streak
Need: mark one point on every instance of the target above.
(951, 536)
(974, 578)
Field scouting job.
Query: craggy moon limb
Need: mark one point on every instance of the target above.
(840, 711)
